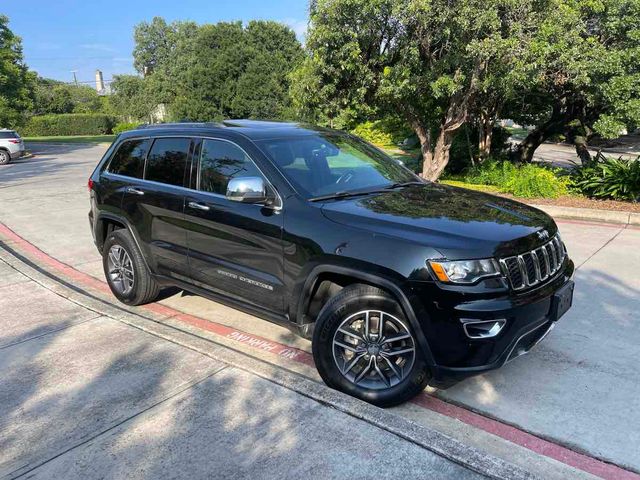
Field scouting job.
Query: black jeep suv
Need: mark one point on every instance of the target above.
(398, 282)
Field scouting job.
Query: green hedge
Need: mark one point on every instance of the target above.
(68, 124)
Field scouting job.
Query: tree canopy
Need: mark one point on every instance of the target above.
(424, 60)
(565, 66)
(218, 70)
(16, 82)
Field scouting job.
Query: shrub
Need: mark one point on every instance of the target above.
(528, 181)
(124, 126)
(68, 124)
(608, 178)
(387, 131)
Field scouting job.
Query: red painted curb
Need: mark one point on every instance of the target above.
(505, 431)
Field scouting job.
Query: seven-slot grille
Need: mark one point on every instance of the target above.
(536, 266)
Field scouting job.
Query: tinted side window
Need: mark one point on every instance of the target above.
(9, 135)
(221, 161)
(167, 160)
(129, 158)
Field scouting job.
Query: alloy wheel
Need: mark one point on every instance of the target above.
(120, 269)
(373, 349)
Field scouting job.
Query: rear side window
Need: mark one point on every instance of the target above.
(9, 135)
(167, 160)
(220, 162)
(129, 158)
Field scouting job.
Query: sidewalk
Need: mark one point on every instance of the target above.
(85, 395)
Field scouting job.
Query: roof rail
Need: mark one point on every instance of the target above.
(181, 125)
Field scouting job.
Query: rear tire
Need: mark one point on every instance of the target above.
(125, 270)
(364, 346)
(4, 157)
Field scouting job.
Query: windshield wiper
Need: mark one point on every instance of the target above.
(346, 194)
(403, 184)
(356, 193)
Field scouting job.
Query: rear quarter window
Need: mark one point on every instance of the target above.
(9, 135)
(129, 158)
(167, 160)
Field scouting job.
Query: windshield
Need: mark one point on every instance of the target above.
(325, 164)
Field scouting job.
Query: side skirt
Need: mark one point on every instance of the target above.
(264, 314)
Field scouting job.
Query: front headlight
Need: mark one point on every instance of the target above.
(465, 271)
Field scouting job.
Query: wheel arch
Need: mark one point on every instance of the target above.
(299, 310)
(105, 219)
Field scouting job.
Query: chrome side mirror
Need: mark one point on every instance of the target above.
(248, 190)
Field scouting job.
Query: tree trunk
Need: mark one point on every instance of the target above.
(583, 152)
(579, 136)
(439, 157)
(435, 159)
(485, 135)
(537, 136)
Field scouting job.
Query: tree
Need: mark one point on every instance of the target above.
(216, 71)
(132, 97)
(233, 71)
(53, 96)
(16, 82)
(425, 60)
(588, 74)
(156, 42)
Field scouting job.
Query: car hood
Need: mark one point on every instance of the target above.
(459, 223)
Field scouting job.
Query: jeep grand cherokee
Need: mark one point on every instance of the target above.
(398, 282)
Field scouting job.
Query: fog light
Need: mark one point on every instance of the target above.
(482, 328)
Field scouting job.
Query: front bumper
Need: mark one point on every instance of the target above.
(529, 316)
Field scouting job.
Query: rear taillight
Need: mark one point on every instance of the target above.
(90, 184)
(14, 141)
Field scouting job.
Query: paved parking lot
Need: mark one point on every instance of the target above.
(578, 389)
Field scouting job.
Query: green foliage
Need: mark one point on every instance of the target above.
(527, 181)
(123, 127)
(424, 60)
(156, 43)
(68, 124)
(608, 178)
(133, 97)
(388, 131)
(210, 72)
(235, 71)
(52, 96)
(583, 70)
(16, 82)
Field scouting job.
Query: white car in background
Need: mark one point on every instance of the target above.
(11, 146)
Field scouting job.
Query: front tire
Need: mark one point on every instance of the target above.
(125, 270)
(364, 346)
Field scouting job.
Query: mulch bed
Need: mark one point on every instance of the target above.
(579, 202)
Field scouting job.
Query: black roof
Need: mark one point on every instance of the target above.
(253, 129)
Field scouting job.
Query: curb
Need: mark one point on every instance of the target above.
(591, 215)
(425, 437)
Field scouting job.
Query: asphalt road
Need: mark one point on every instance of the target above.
(563, 155)
(580, 388)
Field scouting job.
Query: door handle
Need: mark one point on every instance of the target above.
(198, 206)
(135, 191)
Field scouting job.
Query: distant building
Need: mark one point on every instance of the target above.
(100, 86)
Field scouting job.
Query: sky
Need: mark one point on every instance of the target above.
(59, 36)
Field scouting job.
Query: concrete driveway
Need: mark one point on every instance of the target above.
(85, 395)
(579, 389)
